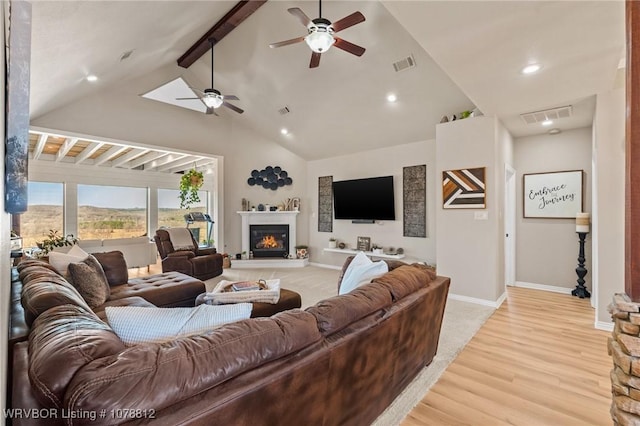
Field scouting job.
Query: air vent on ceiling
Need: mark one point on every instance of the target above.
(404, 64)
(126, 55)
(284, 110)
(547, 114)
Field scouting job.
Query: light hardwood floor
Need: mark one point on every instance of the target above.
(536, 361)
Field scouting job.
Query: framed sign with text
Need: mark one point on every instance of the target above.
(553, 195)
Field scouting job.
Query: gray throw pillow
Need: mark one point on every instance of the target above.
(90, 281)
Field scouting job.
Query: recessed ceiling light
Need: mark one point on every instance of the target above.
(92, 78)
(284, 131)
(391, 97)
(554, 131)
(530, 69)
(547, 122)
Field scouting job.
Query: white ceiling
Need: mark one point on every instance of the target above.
(467, 54)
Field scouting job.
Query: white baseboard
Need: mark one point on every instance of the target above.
(324, 265)
(544, 287)
(501, 299)
(483, 302)
(602, 325)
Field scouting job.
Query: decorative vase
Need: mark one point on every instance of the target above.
(302, 253)
(332, 244)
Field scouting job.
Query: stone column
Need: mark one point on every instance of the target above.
(624, 348)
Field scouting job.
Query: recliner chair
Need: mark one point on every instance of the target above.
(199, 263)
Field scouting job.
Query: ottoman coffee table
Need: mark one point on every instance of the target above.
(288, 300)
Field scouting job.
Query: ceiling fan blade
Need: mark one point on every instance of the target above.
(233, 107)
(349, 47)
(185, 99)
(348, 21)
(211, 111)
(302, 17)
(315, 60)
(286, 42)
(231, 98)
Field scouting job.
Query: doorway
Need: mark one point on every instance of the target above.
(510, 226)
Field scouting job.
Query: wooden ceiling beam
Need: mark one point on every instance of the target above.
(64, 149)
(88, 151)
(42, 140)
(241, 11)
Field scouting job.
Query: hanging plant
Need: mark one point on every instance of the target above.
(190, 184)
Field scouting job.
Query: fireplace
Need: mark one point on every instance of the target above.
(269, 240)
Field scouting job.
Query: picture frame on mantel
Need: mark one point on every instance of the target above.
(553, 195)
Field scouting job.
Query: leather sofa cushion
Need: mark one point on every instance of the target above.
(62, 341)
(338, 312)
(163, 290)
(46, 291)
(28, 263)
(406, 279)
(114, 265)
(185, 367)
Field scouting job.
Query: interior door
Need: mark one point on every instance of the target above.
(510, 226)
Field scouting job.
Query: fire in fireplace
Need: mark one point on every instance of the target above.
(269, 240)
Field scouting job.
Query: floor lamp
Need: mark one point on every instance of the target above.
(582, 229)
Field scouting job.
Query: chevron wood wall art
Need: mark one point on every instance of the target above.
(463, 189)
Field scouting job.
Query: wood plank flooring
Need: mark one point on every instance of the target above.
(536, 361)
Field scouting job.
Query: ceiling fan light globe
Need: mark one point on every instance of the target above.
(212, 100)
(319, 40)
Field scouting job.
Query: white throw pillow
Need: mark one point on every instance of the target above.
(136, 324)
(61, 261)
(361, 271)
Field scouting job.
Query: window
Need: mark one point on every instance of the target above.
(106, 212)
(44, 212)
(170, 214)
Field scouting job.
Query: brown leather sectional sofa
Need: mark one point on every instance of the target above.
(339, 362)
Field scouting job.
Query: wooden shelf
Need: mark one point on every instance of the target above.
(368, 253)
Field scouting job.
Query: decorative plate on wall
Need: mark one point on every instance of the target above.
(270, 178)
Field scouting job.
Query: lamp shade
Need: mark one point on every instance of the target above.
(319, 41)
(211, 100)
(582, 222)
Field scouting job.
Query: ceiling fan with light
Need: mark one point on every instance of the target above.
(211, 97)
(321, 32)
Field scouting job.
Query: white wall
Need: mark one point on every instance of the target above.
(609, 200)
(547, 249)
(471, 251)
(379, 162)
(122, 115)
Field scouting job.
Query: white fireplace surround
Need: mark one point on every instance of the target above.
(269, 218)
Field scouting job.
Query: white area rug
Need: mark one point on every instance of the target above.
(461, 322)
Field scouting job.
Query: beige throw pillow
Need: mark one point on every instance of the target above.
(90, 281)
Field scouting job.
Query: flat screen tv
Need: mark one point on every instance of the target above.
(364, 199)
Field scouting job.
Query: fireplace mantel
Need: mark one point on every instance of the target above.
(269, 218)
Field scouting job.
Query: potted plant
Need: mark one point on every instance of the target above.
(332, 242)
(190, 184)
(53, 240)
(302, 252)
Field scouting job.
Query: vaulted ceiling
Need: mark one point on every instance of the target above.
(467, 55)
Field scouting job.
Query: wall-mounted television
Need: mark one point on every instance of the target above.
(364, 199)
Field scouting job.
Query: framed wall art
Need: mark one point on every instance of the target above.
(17, 108)
(464, 189)
(553, 195)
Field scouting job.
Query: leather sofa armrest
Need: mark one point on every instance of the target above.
(205, 251)
(182, 253)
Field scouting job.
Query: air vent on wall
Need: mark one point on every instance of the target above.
(547, 114)
(404, 64)
(284, 110)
